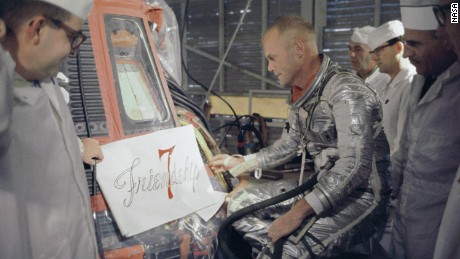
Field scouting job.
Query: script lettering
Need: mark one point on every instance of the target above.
(119, 185)
(134, 180)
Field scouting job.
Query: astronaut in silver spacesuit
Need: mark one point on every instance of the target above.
(335, 116)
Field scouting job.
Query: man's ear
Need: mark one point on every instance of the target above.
(2, 29)
(299, 47)
(34, 30)
(400, 47)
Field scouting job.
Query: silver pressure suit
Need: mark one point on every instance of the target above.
(336, 119)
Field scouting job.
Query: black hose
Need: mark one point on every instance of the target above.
(182, 99)
(177, 88)
(223, 126)
(224, 137)
(224, 230)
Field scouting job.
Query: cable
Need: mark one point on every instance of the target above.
(184, 20)
(221, 63)
(225, 135)
(182, 99)
(97, 226)
(223, 126)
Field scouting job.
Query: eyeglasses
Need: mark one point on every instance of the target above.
(376, 51)
(440, 12)
(76, 38)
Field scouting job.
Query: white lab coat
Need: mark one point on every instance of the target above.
(427, 160)
(43, 189)
(447, 245)
(6, 97)
(378, 80)
(394, 99)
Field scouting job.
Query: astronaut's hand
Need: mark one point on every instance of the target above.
(289, 222)
(92, 152)
(221, 163)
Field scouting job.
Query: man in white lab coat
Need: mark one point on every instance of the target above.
(361, 61)
(46, 209)
(448, 236)
(387, 49)
(429, 149)
(6, 70)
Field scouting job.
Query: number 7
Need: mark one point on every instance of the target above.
(160, 153)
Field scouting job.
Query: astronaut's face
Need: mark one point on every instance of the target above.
(281, 58)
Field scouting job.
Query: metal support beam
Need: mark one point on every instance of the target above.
(184, 42)
(228, 64)
(221, 43)
(263, 69)
(307, 10)
(320, 20)
(315, 12)
(377, 12)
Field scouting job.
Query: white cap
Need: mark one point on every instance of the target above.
(360, 35)
(384, 33)
(80, 8)
(418, 14)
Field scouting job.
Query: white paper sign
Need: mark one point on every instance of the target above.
(155, 178)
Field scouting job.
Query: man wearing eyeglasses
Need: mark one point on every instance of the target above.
(445, 18)
(429, 150)
(387, 49)
(448, 236)
(43, 188)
